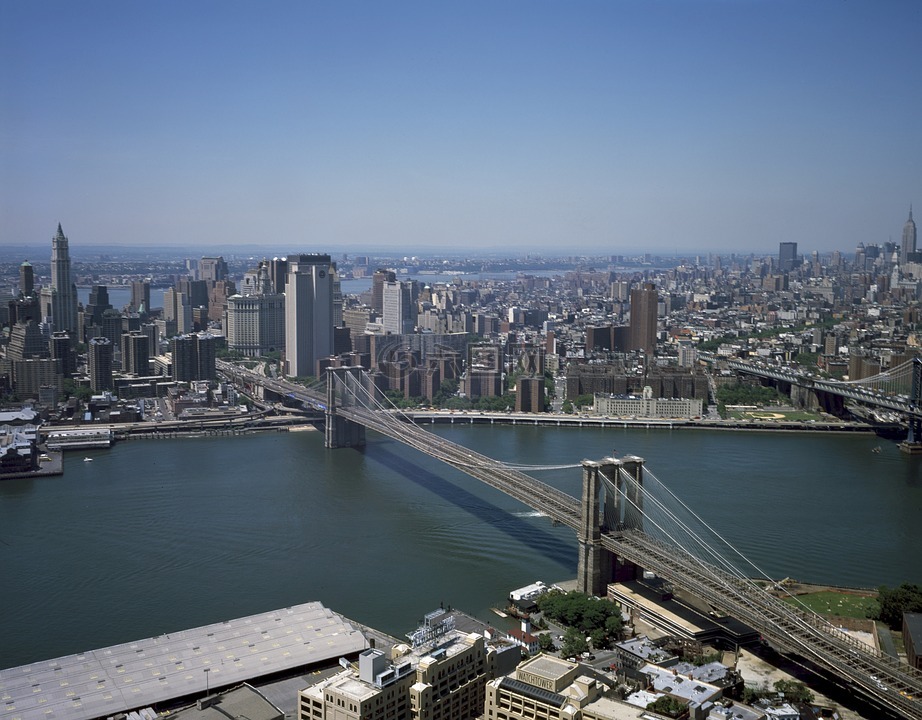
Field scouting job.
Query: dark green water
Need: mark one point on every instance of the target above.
(157, 536)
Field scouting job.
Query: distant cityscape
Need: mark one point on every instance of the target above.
(631, 338)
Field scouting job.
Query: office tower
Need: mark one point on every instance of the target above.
(59, 301)
(62, 349)
(27, 341)
(399, 309)
(278, 273)
(33, 374)
(193, 357)
(212, 269)
(256, 322)
(136, 353)
(337, 299)
(909, 239)
(100, 364)
(787, 256)
(195, 290)
(26, 280)
(377, 288)
(308, 313)
(218, 292)
(643, 318)
(96, 305)
(178, 310)
(140, 296)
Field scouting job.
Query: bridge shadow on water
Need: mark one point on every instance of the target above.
(540, 540)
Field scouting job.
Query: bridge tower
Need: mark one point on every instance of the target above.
(622, 509)
(344, 386)
(913, 443)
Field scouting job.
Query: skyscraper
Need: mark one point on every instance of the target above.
(643, 318)
(909, 239)
(377, 288)
(399, 310)
(140, 296)
(136, 353)
(787, 256)
(26, 279)
(212, 269)
(99, 359)
(308, 313)
(59, 302)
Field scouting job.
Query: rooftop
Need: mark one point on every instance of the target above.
(103, 682)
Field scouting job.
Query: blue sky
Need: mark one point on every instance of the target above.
(569, 127)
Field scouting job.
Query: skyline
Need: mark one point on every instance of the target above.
(613, 127)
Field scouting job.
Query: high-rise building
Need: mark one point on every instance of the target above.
(256, 321)
(212, 269)
(99, 356)
(96, 305)
(529, 394)
(377, 288)
(193, 357)
(787, 256)
(400, 311)
(140, 296)
(178, 309)
(62, 349)
(59, 301)
(26, 280)
(278, 273)
(908, 245)
(643, 318)
(308, 313)
(136, 353)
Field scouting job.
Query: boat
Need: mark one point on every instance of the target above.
(876, 449)
(87, 459)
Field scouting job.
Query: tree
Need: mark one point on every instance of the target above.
(893, 603)
(546, 642)
(574, 643)
(794, 691)
(667, 705)
(599, 639)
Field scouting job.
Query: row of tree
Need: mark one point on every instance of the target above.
(585, 617)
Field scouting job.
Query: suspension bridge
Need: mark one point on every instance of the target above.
(627, 520)
(897, 389)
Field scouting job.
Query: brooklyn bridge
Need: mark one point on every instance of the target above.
(625, 522)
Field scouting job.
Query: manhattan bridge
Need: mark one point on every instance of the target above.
(625, 518)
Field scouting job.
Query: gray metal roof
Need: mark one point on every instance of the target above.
(115, 679)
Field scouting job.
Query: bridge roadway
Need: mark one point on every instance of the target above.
(786, 628)
(853, 392)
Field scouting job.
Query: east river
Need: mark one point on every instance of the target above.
(155, 536)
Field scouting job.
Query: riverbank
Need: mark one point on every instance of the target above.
(447, 417)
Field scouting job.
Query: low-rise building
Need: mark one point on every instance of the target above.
(440, 675)
(646, 406)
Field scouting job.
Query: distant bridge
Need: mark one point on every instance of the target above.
(898, 389)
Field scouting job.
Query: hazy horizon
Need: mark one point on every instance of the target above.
(609, 127)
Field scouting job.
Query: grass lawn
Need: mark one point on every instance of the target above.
(830, 602)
